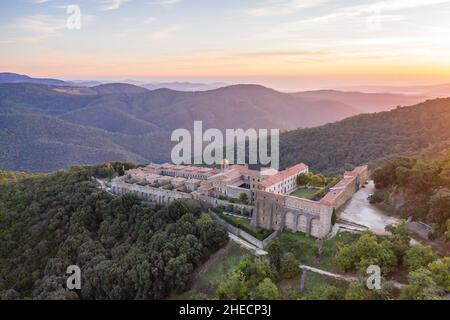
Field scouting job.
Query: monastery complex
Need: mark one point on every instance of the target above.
(268, 193)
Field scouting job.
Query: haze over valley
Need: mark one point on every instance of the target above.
(49, 124)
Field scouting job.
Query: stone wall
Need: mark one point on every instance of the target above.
(242, 234)
(148, 193)
(278, 212)
(214, 202)
(235, 192)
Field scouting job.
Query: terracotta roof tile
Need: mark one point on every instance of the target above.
(283, 175)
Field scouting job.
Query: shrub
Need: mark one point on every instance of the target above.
(418, 256)
(289, 266)
(266, 290)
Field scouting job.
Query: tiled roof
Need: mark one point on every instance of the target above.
(356, 171)
(349, 177)
(331, 197)
(283, 175)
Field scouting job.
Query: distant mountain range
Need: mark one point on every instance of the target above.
(8, 77)
(45, 127)
(365, 102)
(430, 91)
(184, 86)
(129, 109)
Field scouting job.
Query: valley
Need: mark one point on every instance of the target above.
(81, 125)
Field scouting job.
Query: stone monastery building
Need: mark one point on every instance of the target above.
(268, 192)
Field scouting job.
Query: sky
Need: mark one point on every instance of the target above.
(285, 44)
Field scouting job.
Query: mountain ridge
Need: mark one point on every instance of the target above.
(240, 106)
(42, 143)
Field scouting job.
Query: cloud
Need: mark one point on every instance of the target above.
(112, 4)
(42, 24)
(163, 33)
(280, 53)
(35, 29)
(358, 19)
(41, 1)
(166, 2)
(27, 40)
(393, 5)
(282, 7)
(150, 20)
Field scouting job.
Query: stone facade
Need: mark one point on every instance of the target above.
(235, 192)
(207, 201)
(279, 212)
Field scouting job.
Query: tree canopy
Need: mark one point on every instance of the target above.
(417, 187)
(126, 249)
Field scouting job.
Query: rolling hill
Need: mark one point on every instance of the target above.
(45, 128)
(40, 143)
(242, 106)
(369, 138)
(8, 77)
(184, 86)
(122, 88)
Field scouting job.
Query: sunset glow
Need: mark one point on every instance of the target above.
(287, 44)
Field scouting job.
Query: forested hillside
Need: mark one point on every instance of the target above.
(11, 176)
(45, 128)
(126, 249)
(42, 130)
(40, 143)
(240, 106)
(369, 138)
(418, 187)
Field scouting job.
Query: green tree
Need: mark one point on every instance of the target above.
(243, 198)
(402, 175)
(439, 208)
(332, 293)
(266, 290)
(303, 179)
(421, 286)
(418, 256)
(400, 239)
(275, 253)
(317, 180)
(368, 250)
(256, 270)
(357, 291)
(345, 257)
(289, 266)
(234, 287)
(323, 292)
(440, 271)
(371, 251)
